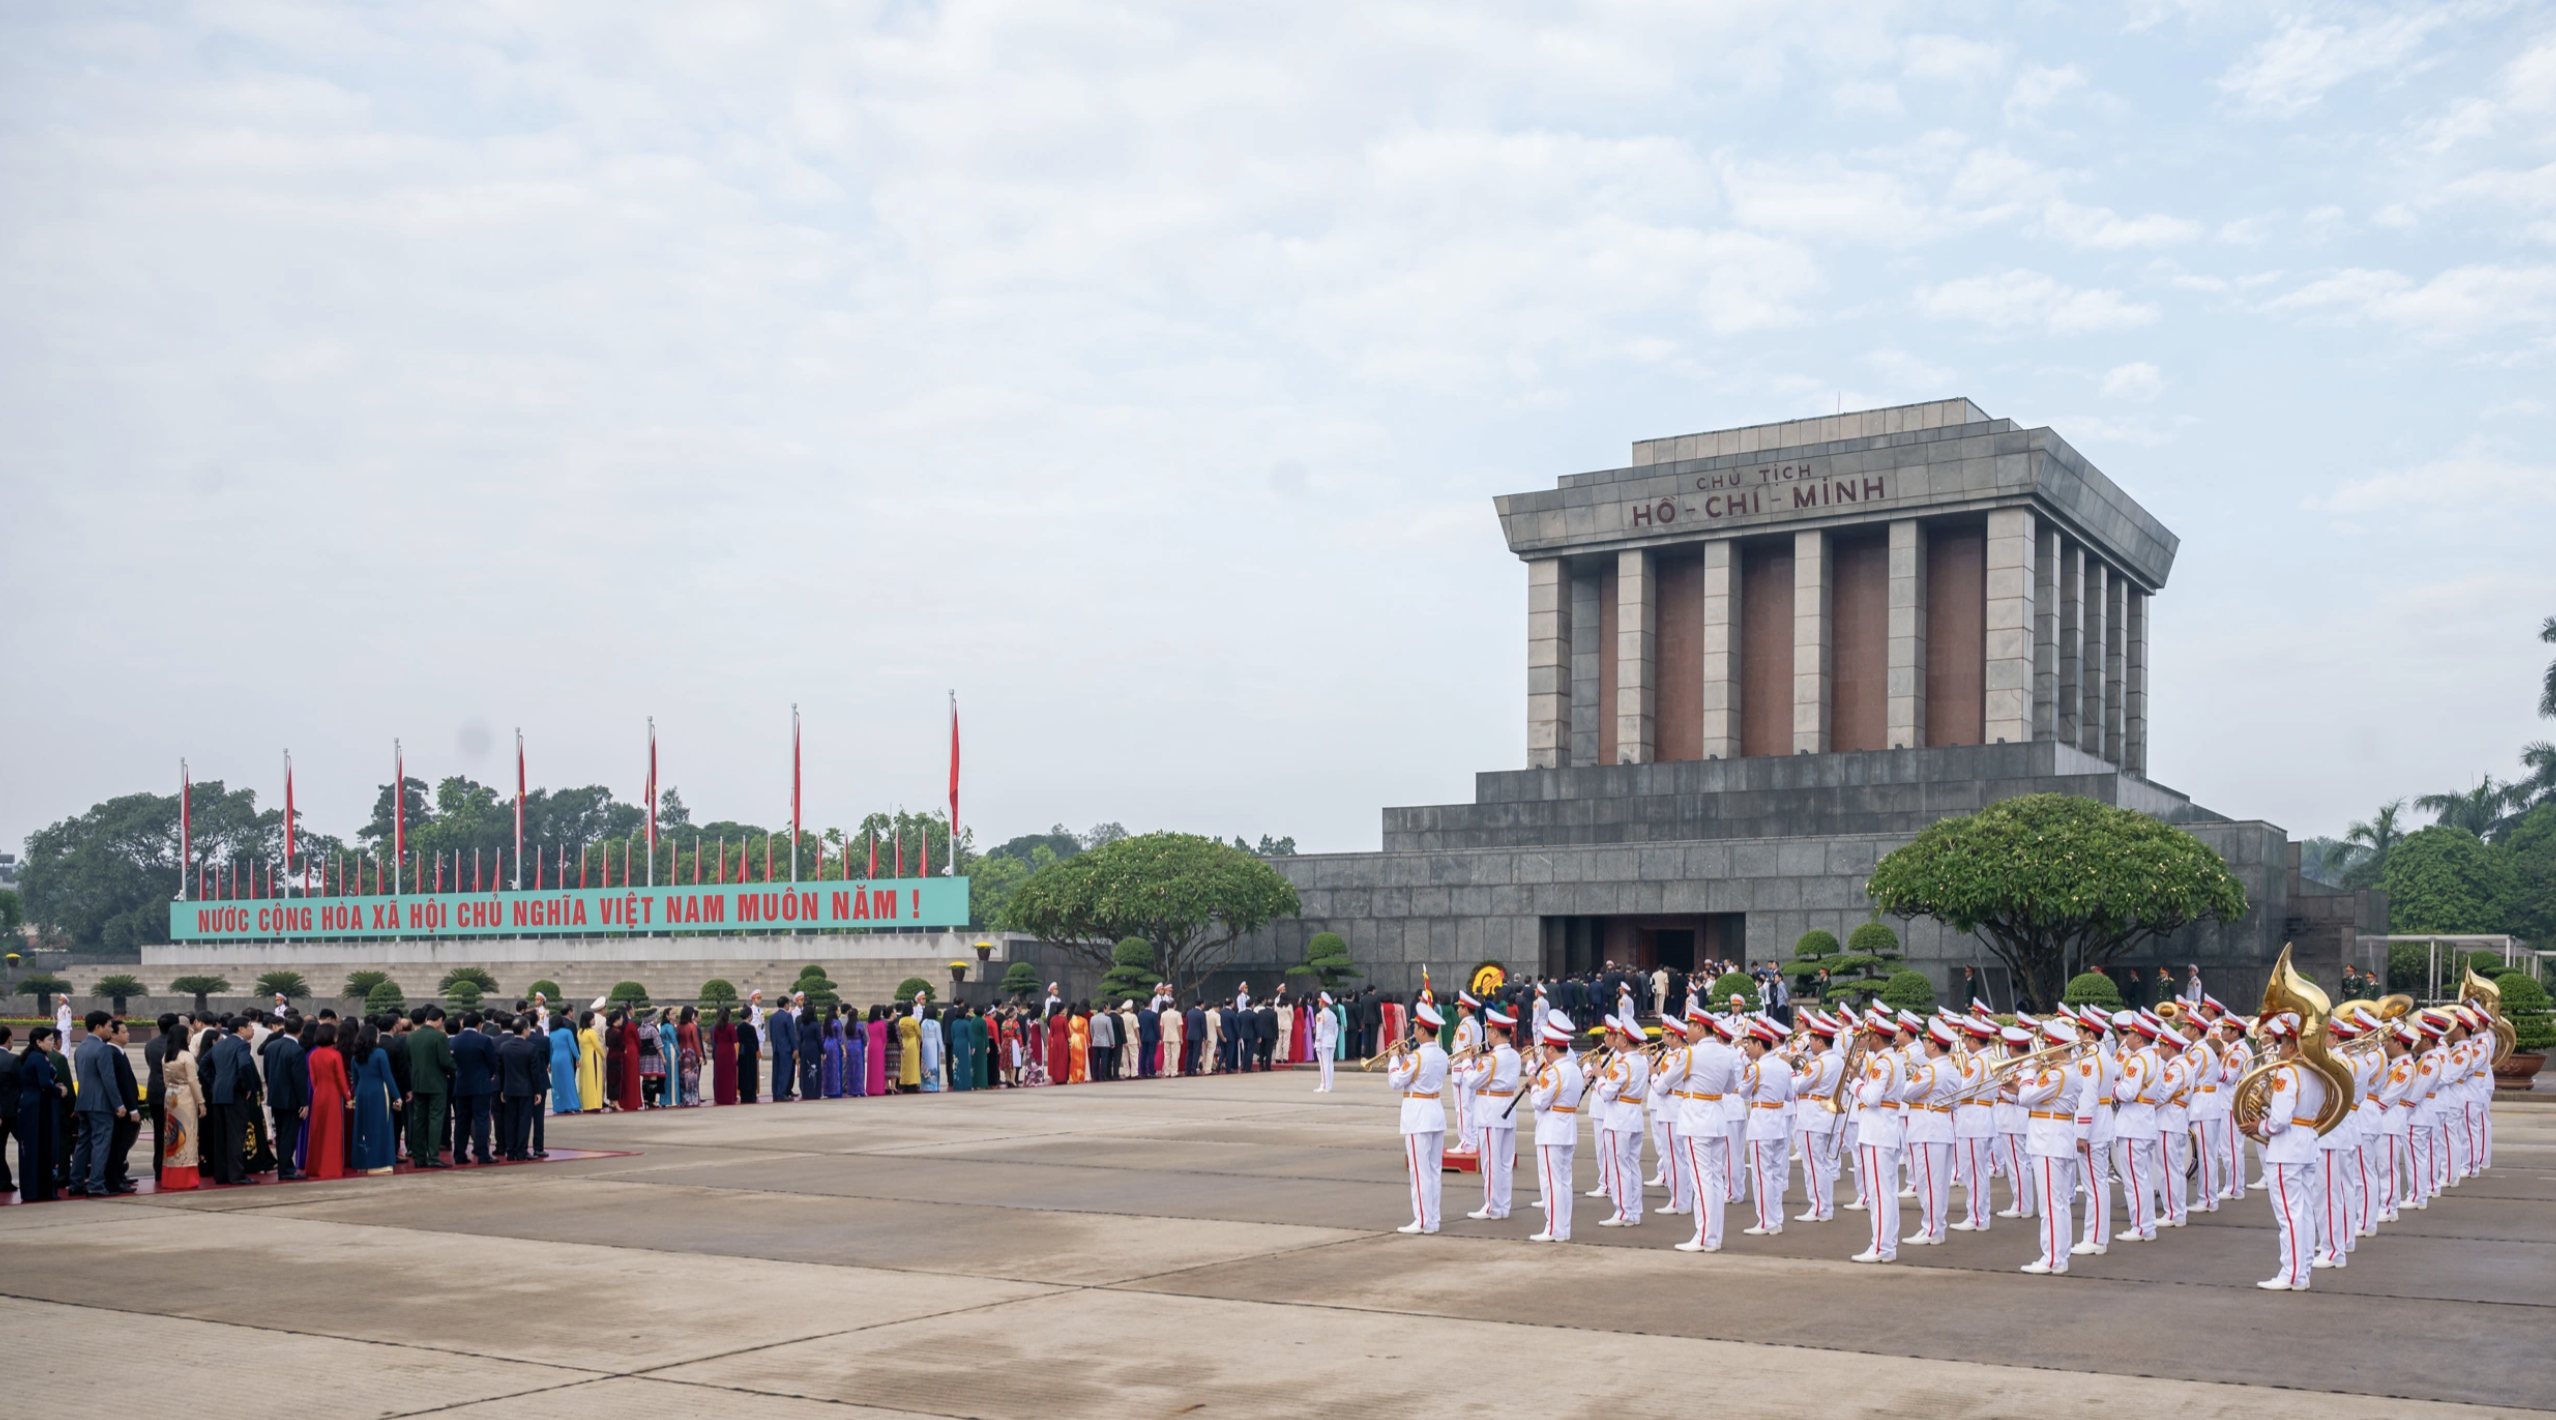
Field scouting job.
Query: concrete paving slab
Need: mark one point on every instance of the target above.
(637, 1395)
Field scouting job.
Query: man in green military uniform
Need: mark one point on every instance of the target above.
(430, 1087)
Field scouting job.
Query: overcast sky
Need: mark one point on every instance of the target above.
(1145, 374)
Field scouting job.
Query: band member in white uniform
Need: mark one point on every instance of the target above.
(1554, 1093)
(1819, 1125)
(1468, 1034)
(1419, 1076)
(1934, 1083)
(2290, 1156)
(1496, 1077)
(1326, 1042)
(2098, 1075)
(1668, 1076)
(2174, 1127)
(2134, 1125)
(1878, 1135)
(2395, 1118)
(2014, 1120)
(1975, 1124)
(2052, 1144)
(1768, 1082)
(2208, 1111)
(1622, 1087)
(1709, 1073)
(1733, 1026)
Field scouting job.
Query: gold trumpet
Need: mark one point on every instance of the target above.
(2288, 991)
(2000, 1070)
(1391, 1052)
(2488, 997)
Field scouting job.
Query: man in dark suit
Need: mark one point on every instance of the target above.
(430, 1084)
(128, 1124)
(1370, 1023)
(288, 1094)
(1193, 1037)
(1228, 1038)
(783, 1028)
(1149, 1040)
(475, 1067)
(226, 1095)
(99, 1104)
(523, 1071)
(9, 1060)
(1265, 1039)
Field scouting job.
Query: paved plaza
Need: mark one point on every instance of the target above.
(1219, 1246)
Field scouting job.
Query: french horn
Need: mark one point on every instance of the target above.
(2487, 996)
(2294, 994)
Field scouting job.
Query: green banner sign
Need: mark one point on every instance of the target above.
(898, 904)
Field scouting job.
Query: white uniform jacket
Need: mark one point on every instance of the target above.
(1420, 1077)
(1555, 1095)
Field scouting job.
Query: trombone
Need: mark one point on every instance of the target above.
(2003, 1069)
(1385, 1058)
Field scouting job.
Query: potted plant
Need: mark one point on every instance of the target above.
(2525, 1006)
(958, 976)
(985, 951)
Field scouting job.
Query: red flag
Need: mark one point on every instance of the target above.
(723, 858)
(186, 832)
(519, 816)
(794, 799)
(767, 855)
(288, 811)
(581, 868)
(474, 870)
(399, 809)
(896, 841)
(923, 842)
(696, 860)
(954, 776)
(873, 874)
(652, 810)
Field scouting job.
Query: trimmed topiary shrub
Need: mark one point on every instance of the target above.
(198, 987)
(463, 995)
(718, 991)
(115, 988)
(627, 993)
(1131, 971)
(288, 984)
(2091, 988)
(1736, 983)
(2525, 1006)
(912, 987)
(384, 995)
(1908, 991)
(547, 989)
(1020, 979)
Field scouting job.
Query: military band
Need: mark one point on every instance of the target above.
(2357, 1115)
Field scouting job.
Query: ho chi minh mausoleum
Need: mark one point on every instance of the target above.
(1758, 660)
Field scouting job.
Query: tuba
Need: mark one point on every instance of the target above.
(2370, 1014)
(2487, 996)
(2290, 992)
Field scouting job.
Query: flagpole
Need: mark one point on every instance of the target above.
(399, 820)
(652, 801)
(519, 808)
(186, 826)
(288, 818)
(794, 793)
(954, 784)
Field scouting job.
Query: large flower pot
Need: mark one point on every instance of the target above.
(2518, 1070)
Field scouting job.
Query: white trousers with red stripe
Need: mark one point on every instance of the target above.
(1930, 1172)
(1975, 1156)
(2293, 1192)
(2174, 1155)
(2095, 1162)
(1881, 1169)
(2460, 1130)
(2419, 1139)
(1622, 1148)
(1680, 1170)
(2482, 1118)
(2022, 1175)
(1735, 1135)
(1499, 1160)
(2218, 1161)
(1769, 1170)
(1819, 1172)
(2333, 1204)
(2055, 1181)
(2136, 1162)
(1425, 1154)
(1553, 1175)
(1708, 1157)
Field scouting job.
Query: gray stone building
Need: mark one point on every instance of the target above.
(1759, 659)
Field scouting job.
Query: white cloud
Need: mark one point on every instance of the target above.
(2465, 302)
(2453, 488)
(2105, 230)
(2038, 87)
(1904, 371)
(1952, 59)
(2288, 74)
(2137, 380)
(2025, 299)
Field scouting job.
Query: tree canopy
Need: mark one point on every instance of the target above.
(2057, 884)
(2446, 879)
(1190, 898)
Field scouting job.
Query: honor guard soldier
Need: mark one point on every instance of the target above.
(2290, 1156)
(1711, 1072)
(1554, 1093)
(1816, 1120)
(1326, 1042)
(1768, 1083)
(1622, 1087)
(1468, 1037)
(1878, 1134)
(1419, 1076)
(1668, 1076)
(1495, 1079)
(2053, 1142)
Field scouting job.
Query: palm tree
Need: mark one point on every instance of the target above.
(2481, 810)
(2539, 786)
(2380, 831)
(2547, 692)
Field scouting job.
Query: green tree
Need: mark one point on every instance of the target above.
(2057, 884)
(2092, 988)
(288, 984)
(463, 994)
(1326, 963)
(627, 993)
(718, 991)
(13, 915)
(1131, 970)
(384, 995)
(360, 984)
(1730, 984)
(44, 986)
(821, 991)
(2547, 687)
(2447, 880)
(991, 881)
(912, 987)
(118, 988)
(2484, 810)
(1908, 991)
(199, 987)
(1020, 979)
(2376, 837)
(1191, 897)
(1816, 951)
(1857, 975)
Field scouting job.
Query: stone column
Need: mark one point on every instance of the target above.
(2068, 724)
(1721, 649)
(2008, 648)
(1812, 641)
(2134, 684)
(2090, 710)
(2045, 634)
(1587, 657)
(2116, 611)
(1904, 717)
(1548, 664)
(1637, 640)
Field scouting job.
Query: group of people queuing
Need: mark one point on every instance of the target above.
(2073, 1106)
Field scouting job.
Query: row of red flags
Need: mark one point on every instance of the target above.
(223, 880)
